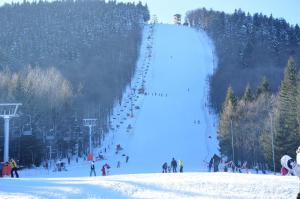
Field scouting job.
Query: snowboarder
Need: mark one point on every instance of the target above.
(165, 167)
(13, 165)
(180, 163)
(93, 170)
(174, 165)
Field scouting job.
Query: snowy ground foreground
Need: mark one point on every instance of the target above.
(156, 186)
(174, 119)
(174, 63)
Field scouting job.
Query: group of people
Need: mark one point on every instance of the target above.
(104, 170)
(173, 166)
(13, 166)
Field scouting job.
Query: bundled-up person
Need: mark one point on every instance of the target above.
(165, 167)
(180, 164)
(14, 168)
(174, 165)
(93, 170)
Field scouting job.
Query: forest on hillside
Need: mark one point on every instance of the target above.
(260, 127)
(248, 47)
(65, 60)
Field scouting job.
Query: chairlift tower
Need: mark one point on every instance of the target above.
(7, 111)
(90, 122)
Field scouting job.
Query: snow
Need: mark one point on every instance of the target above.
(176, 122)
(174, 119)
(156, 186)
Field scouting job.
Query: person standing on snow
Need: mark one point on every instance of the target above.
(13, 165)
(165, 167)
(174, 165)
(93, 170)
(180, 164)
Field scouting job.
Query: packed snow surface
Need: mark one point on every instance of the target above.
(155, 186)
(163, 114)
(171, 118)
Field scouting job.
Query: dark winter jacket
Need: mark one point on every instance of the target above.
(174, 163)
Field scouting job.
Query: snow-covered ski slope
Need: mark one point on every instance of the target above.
(171, 119)
(154, 186)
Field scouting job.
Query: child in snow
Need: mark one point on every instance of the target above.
(165, 167)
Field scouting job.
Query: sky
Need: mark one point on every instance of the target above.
(165, 9)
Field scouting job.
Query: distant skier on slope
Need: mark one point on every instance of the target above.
(93, 170)
(174, 165)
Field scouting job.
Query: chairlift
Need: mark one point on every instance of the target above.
(27, 130)
(50, 134)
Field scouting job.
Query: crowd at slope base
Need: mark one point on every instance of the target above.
(217, 164)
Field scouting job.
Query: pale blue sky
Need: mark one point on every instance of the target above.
(164, 9)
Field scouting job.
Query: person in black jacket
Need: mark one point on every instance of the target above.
(93, 170)
(174, 165)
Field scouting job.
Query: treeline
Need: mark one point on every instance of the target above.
(250, 126)
(248, 48)
(66, 60)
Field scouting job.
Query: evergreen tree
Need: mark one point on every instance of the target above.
(248, 97)
(263, 87)
(286, 139)
(226, 117)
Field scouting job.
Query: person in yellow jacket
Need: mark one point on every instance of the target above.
(14, 168)
(180, 164)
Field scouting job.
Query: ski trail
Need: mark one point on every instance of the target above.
(173, 118)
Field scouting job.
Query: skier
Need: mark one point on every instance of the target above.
(127, 158)
(174, 165)
(119, 164)
(165, 167)
(93, 170)
(13, 165)
(180, 163)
